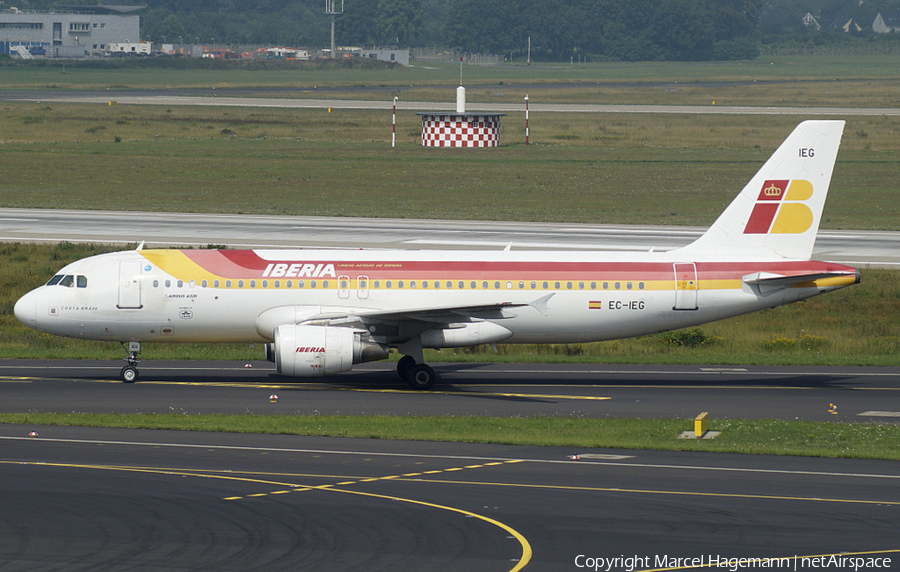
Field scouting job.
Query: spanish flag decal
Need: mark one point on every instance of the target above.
(594, 305)
(779, 208)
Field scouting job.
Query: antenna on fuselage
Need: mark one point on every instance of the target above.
(140, 246)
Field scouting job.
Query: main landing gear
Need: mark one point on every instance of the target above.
(418, 375)
(129, 373)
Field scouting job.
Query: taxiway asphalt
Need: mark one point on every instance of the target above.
(87, 498)
(502, 390)
(80, 498)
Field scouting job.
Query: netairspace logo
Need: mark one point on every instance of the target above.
(713, 562)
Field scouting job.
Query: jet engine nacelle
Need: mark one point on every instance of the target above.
(313, 351)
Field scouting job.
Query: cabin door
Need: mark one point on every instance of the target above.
(129, 284)
(685, 286)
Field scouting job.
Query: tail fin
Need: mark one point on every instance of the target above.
(778, 212)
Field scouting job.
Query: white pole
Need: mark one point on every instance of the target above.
(394, 125)
(526, 119)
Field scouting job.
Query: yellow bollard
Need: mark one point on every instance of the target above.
(701, 424)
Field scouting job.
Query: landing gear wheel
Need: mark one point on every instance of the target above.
(404, 365)
(129, 374)
(421, 376)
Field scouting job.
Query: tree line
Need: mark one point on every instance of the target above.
(560, 30)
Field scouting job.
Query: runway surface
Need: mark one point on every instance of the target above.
(500, 390)
(852, 247)
(82, 498)
(248, 99)
(78, 498)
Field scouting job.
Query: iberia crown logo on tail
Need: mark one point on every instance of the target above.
(779, 208)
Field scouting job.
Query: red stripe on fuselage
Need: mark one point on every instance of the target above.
(247, 264)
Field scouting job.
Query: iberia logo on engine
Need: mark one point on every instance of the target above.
(779, 208)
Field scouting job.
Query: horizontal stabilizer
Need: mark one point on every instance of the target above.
(770, 282)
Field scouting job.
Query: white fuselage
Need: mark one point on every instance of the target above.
(556, 297)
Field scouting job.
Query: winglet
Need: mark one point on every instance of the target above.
(777, 214)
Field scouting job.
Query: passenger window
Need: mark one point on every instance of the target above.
(81, 281)
(253, 283)
(228, 283)
(180, 284)
(204, 283)
(155, 284)
(240, 283)
(168, 283)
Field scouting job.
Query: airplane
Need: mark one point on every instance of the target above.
(320, 312)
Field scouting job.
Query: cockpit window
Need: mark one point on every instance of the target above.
(69, 281)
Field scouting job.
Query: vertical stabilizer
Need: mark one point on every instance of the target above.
(777, 214)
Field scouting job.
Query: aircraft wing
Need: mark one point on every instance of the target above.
(416, 319)
(432, 314)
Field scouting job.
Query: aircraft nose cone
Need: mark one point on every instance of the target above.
(26, 310)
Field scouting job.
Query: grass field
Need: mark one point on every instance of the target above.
(616, 168)
(767, 437)
(611, 168)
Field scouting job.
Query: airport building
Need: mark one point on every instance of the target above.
(68, 31)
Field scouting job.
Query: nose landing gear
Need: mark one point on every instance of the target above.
(129, 373)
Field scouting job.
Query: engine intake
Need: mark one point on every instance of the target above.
(314, 351)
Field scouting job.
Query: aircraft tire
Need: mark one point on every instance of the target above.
(404, 365)
(129, 374)
(421, 376)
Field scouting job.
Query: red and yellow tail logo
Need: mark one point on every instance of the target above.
(780, 210)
